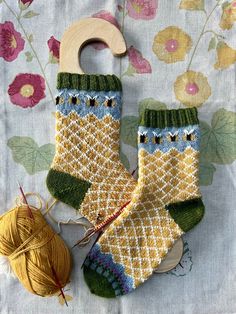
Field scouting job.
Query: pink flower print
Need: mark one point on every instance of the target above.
(138, 62)
(11, 42)
(54, 49)
(142, 9)
(26, 2)
(27, 90)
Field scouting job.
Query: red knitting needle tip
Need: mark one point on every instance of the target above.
(133, 172)
(59, 285)
(25, 200)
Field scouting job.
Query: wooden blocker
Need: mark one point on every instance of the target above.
(74, 39)
(172, 259)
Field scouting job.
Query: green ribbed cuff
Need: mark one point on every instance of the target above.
(89, 82)
(169, 118)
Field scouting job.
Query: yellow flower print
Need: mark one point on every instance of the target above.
(228, 16)
(192, 89)
(192, 4)
(171, 44)
(226, 56)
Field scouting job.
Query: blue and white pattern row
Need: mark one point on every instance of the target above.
(152, 139)
(104, 265)
(83, 102)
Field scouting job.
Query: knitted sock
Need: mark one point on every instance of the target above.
(165, 204)
(86, 172)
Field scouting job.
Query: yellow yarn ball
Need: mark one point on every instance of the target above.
(38, 256)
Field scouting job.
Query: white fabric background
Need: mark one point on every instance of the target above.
(210, 286)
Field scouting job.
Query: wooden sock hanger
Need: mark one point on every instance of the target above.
(82, 32)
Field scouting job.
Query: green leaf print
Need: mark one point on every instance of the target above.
(52, 59)
(218, 141)
(125, 161)
(130, 71)
(129, 128)
(23, 6)
(207, 171)
(150, 103)
(212, 44)
(33, 158)
(29, 56)
(30, 14)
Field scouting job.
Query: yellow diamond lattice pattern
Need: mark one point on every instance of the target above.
(142, 235)
(88, 148)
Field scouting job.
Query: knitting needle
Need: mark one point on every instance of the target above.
(102, 230)
(85, 238)
(92, 247)
(102, 225)
(59, 285)
(25, 200)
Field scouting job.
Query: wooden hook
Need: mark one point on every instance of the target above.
(82, 32)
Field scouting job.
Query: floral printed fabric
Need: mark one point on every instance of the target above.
(180, 53)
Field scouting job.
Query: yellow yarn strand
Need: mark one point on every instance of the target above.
(38, 256)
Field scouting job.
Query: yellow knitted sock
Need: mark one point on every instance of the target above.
(86, 172)
(165, 204)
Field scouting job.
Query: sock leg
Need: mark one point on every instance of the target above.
(169, 156)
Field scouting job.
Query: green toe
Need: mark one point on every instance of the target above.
(187, 214)
(67, 188)
(98, 284)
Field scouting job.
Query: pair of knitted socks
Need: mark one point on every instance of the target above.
(87, 174)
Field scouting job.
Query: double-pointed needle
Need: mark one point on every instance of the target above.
(25, 200)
